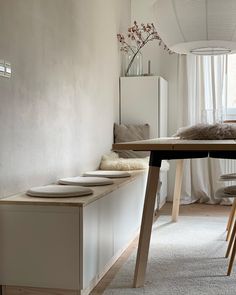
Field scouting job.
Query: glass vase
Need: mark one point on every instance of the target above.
(132, 64)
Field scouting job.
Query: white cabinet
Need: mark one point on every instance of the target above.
(145, 100)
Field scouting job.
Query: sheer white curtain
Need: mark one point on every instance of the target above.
(202, 86)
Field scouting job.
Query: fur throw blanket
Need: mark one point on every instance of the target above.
(208, 131)
(112, 161)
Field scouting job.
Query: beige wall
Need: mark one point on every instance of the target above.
(57, 110)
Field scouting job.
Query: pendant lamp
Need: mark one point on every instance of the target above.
(202, 27)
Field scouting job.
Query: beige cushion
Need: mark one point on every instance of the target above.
(59, 191)
(86, 181)
(108, 174)
(231, 190)
(225, 192)
(228, 177)
(131, 132)
(112, 161)
(125, 164)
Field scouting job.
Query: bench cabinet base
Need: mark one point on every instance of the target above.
(67, 249)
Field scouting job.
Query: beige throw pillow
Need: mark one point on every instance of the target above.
(131, 132)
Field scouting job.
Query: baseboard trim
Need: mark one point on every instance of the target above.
(15, 290)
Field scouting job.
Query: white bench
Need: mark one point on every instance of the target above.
(67, 245)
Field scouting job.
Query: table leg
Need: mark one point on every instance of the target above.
(146, 227)
(231, 220)
(177, 189)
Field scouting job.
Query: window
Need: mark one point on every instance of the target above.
(231, 88)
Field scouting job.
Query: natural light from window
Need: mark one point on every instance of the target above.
(231, 95)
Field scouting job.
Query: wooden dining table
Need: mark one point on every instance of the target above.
(168, 149)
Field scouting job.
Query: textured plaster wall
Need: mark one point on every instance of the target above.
(57, 110)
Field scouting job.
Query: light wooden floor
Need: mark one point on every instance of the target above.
(185, 210)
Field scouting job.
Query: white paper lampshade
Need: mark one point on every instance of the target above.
(204, 27)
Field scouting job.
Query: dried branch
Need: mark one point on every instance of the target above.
(139, 36)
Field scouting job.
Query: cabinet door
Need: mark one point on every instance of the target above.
(139, 102)
(97, 238)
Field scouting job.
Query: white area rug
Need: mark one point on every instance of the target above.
(185, 258)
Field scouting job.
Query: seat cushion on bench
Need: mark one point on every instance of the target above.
(231, 190)
(108, 174)
(112, 161)
(58, 191)
(86, 181)
(228, 177)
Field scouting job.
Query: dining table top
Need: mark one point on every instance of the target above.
(175, 143)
